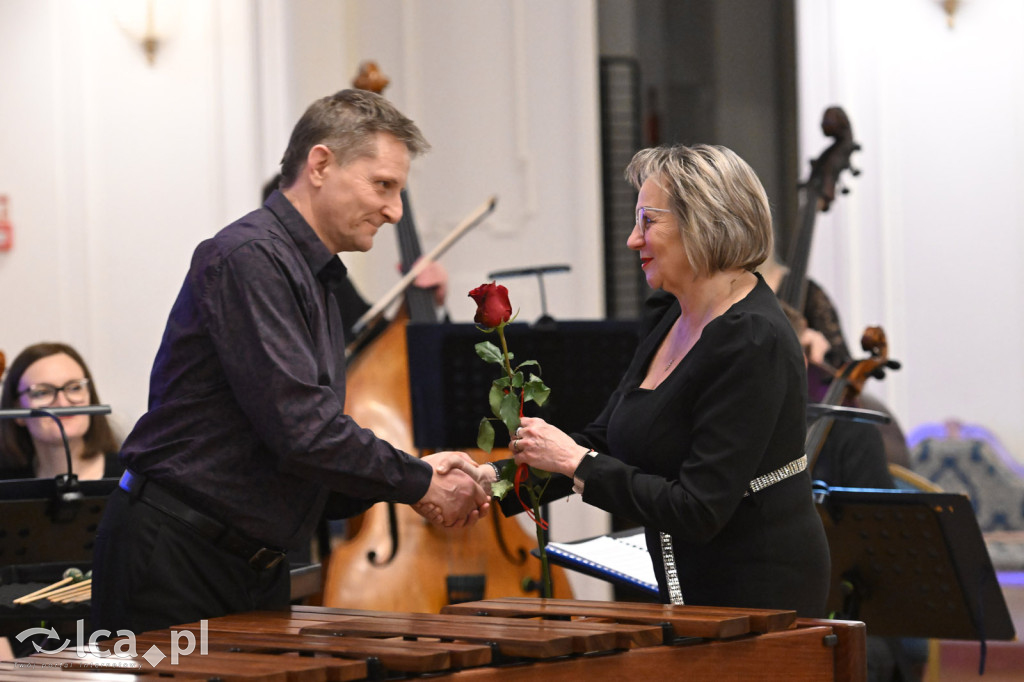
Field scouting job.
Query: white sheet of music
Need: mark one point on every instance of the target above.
(625, 557)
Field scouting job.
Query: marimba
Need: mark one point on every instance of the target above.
(499, 639)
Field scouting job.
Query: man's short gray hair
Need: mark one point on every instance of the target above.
(347, 123)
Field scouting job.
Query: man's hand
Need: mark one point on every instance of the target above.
(434, 277)
(454, 498)
(815, 345)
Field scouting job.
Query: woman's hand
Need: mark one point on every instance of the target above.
(484, 474)
(545, 447)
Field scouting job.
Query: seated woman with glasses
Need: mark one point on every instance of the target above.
(54, 375)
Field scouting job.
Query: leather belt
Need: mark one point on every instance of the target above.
(226, 537)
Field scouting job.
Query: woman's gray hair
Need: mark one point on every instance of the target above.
(722, 209)
(347, 123)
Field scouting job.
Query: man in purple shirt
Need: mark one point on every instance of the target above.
(246, 440)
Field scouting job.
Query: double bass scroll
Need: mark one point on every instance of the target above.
(819, 192)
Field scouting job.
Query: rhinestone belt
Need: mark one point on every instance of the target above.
(668, 558)
(668, 555)
(780, 474)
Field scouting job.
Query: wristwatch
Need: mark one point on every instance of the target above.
(489, 487)
(497, 471)
(577, 482)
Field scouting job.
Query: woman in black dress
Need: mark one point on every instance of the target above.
(702, 443)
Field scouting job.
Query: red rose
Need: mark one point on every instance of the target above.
(492, 305)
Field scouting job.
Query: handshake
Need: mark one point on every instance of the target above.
(460, 490)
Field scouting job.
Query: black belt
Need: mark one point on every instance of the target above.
(259, 557)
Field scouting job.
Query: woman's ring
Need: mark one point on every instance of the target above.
(515, 445)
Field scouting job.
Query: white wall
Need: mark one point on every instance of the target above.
(928, 244)
(115, 170)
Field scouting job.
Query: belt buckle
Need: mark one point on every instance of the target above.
(265, 558)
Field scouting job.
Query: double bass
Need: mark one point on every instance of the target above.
(394, 559)
(819, 193)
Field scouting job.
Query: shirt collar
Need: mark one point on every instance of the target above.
(327, 267)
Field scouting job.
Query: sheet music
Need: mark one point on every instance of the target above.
(623, 558)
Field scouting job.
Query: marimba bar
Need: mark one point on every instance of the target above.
(501, 639)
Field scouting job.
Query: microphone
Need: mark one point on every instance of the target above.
(67, 492)
(816, 411)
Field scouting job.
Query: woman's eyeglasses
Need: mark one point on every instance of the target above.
(643, 221)
(44, 395)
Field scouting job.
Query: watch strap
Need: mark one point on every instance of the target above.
(577, 478)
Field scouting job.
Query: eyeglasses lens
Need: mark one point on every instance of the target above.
(76, 392)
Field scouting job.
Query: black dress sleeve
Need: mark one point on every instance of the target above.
(728, 404)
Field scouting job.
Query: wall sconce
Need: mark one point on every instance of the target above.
(147, 22)
(951, 7)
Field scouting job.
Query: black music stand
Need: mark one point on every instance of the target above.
(37, 526)
(581, 362)
(42, 533)
(911, 564)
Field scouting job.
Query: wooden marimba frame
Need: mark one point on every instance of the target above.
(499, 639)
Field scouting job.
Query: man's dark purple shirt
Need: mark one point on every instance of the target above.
(246, 417)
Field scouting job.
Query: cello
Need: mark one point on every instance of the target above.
(394, 559)
(847, 386)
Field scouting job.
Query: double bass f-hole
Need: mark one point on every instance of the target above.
(371, 556)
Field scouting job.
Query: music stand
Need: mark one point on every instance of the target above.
(911, 564)
(38, 527)
(42, 532)
(581, 361)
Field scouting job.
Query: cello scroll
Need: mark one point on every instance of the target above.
(848, 384)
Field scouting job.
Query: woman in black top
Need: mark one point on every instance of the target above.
(54, 375)
(702, 443)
